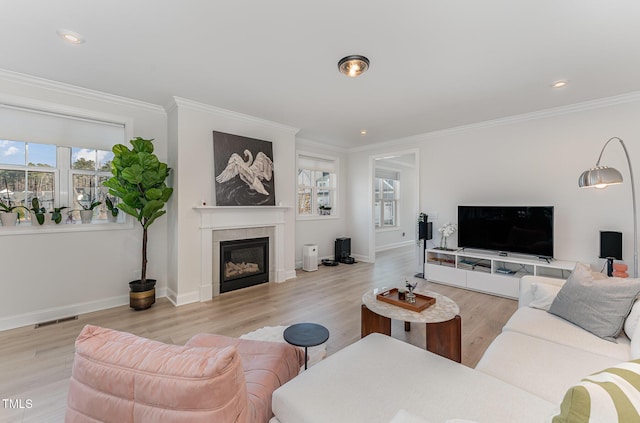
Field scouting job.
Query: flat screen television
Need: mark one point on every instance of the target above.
(509, 229)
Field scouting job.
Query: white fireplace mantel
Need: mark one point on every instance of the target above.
(229, 217)
(217, 218)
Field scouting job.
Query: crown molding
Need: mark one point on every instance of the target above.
(179, 102)
(304, 142)
(30, 104)
(510, 120)
(61, 87)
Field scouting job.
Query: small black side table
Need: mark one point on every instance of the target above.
(306, 335)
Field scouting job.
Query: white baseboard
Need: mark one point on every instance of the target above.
(299, 263)
(395, 245)
(188, 298)
(171, 296)
(55, 313)
(288, 274)
(206, 292)
(362, 258)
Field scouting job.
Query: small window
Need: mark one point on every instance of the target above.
(386, 198)
(317, 186)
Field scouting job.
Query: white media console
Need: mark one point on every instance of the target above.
(488, 272)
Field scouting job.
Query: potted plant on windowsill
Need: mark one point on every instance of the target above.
(139, 181)
(56, 214)
(112, 214)
(8, 214)
(86, 213)
(38, 214)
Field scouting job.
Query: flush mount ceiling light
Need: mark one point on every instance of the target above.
(70, 36)
(363, 132)
(559, 84)
(354, 65)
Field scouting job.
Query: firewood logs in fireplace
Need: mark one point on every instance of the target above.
(234, 270)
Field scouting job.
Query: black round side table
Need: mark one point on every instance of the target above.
(306, 335)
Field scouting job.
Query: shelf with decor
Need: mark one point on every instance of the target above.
(488, 272)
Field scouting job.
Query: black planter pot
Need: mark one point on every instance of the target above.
(142, 295)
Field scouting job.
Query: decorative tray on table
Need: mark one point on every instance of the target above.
(391, 296)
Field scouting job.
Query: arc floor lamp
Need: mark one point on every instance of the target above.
(602, 177)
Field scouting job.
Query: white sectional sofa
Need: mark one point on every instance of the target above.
(522, 377)
(545, 354)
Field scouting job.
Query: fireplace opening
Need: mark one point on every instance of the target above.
(243, 263)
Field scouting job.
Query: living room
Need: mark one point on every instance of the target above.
(490, 148)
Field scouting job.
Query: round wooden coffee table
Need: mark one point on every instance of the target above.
(306, 335)
(443, 322)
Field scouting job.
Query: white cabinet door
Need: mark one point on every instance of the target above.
(446, 274)
(506, 286)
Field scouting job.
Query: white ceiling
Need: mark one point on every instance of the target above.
(434, 64)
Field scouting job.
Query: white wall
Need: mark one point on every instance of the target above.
(48, 275)
(191, 143)
(323, 231)
(532, 159)
(360, 209)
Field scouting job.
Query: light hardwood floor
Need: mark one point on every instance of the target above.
(35, 364)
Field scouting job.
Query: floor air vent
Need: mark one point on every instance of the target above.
(55, 322)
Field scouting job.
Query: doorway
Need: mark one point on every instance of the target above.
(395, 199)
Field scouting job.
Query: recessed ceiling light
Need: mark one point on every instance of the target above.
(363, 132)
(70, 36)
(354, 65)
(560, 84)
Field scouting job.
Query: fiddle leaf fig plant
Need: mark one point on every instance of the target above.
(139, 180)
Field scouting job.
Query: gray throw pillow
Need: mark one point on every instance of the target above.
(598, 305)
